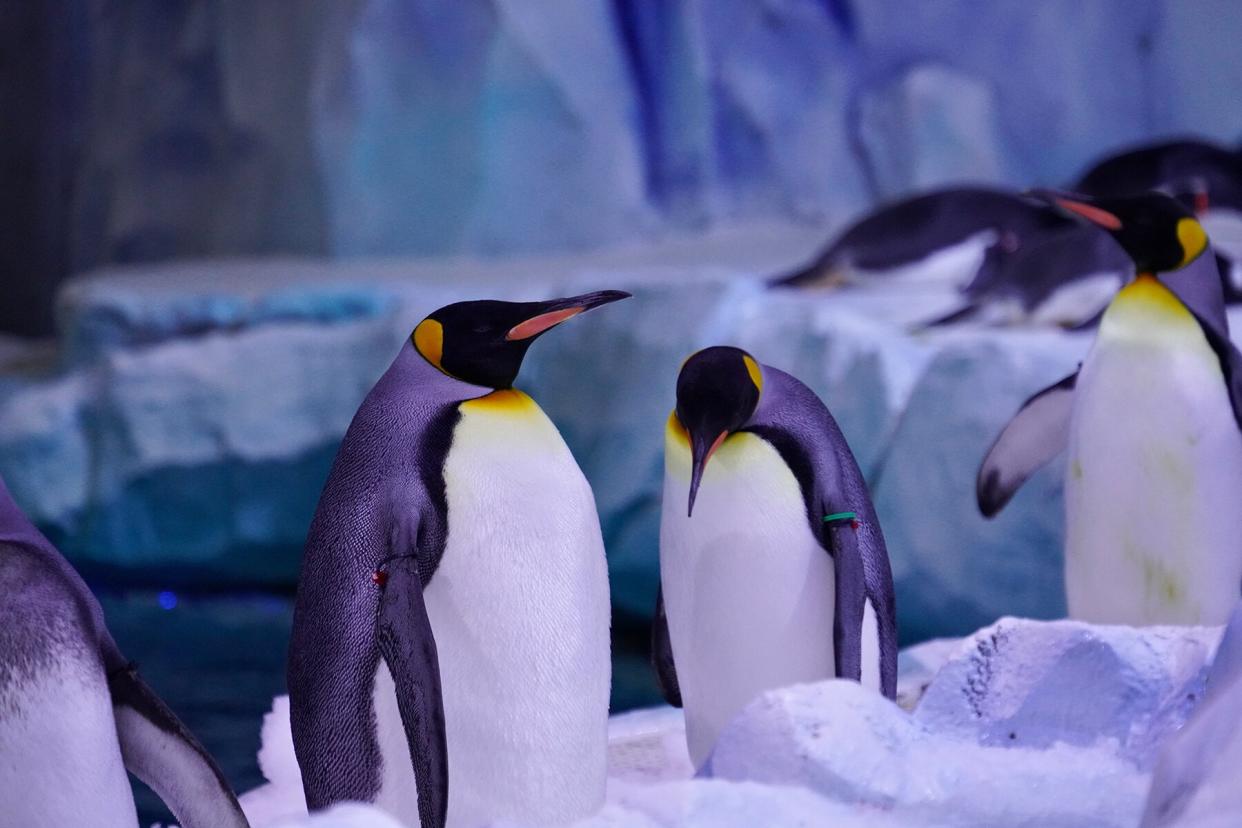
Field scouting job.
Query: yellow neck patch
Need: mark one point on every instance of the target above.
(1147, 311)
(507, 401)
(429, 341)
(752, 368)
(1193, 239)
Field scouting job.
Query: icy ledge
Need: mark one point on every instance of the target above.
(1025, 723)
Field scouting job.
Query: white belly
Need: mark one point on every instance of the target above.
(748, 591)
(60, 763)
(520, 610)
(1154, 480)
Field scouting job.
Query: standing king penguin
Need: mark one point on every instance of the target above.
(75, 714)
(452, 614)
(1151, 420)
(773, 569)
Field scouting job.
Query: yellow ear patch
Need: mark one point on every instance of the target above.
(675, 429)
(429, 340)
(1193, 239)
(752, 368)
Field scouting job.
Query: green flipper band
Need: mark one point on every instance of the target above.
(840, 516)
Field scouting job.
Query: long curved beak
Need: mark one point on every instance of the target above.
(549, 314)
(700, 452)
(1078, 205)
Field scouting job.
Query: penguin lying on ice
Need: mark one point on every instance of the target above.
(916, 229)
(452, 615)
(1151, 421)
(75, 714)
(773, 568)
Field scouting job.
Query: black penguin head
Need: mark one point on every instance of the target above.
(483, 342)
(717, 392)
(1158, 232)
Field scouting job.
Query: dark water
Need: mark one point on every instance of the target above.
(218, 660)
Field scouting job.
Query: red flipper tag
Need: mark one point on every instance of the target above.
(379, 577)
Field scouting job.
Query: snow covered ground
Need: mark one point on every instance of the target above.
(189, 417)
(1024, 723)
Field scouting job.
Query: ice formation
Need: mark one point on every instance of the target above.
(194, 409)
(575, 122)
(1024, 723)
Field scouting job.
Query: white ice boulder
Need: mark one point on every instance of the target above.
(845, 742)
(1027, 723)
(1028, 684)
(1195, 782)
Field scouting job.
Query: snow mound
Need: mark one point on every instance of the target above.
(1036, 685)
(1195, 783)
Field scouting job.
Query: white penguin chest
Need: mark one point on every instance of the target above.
(60, 763)
(519, 607)
(748, 589)
(1153, 528)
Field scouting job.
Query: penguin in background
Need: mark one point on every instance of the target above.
(914, 229)
(75, 715)
(1210, 174)
(452, 616)
(773, 567)
(1152, 423)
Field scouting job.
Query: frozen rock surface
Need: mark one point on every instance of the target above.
(1028, 723)
(1195, 783)
(190, 420)
(1025, 723)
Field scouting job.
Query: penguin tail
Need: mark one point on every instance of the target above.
(961, 314)
(823, 272)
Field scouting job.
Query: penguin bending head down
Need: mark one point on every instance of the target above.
(452, 613)
(75, 715)
(773, 568)
(1151, 421)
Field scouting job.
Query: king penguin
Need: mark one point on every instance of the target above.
(1151, 421)
(452, 615)
(75, 714)
(773, 568)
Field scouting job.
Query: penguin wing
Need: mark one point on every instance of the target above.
(159, 750)
(1035, 435)
(409, 648)
(1230, 365)
(841, 538)
(662, 654)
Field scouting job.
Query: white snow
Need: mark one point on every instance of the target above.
(1027, 723)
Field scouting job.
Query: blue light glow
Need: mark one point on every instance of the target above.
(168, 600)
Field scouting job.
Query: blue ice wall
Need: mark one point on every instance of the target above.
(380, 127)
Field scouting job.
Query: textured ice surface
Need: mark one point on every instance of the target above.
(1196, 777)
(1033, 685)
(196, 408)
(1027, 723)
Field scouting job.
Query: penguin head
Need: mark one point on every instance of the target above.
(1158, 232)
(483, 342)
(718, 390)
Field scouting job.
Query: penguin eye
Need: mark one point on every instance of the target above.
(482, 329)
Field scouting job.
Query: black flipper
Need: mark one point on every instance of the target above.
(409, 648)
(1035, 435)
(662, 654)
(159, 750)
(1230, 365)
(841, 538)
